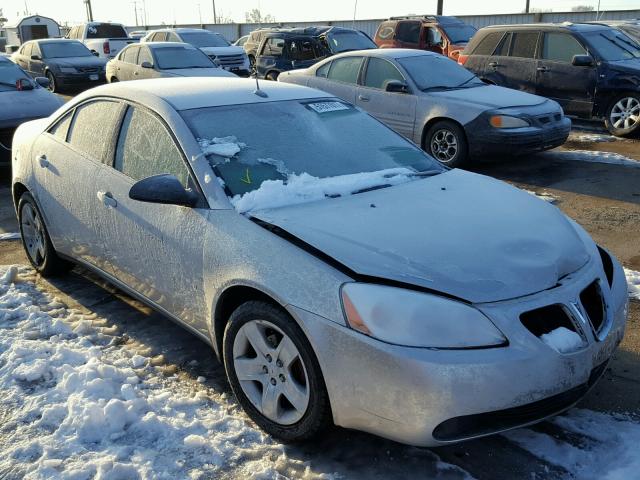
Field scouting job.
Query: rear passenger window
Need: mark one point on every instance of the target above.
(503, 49)
(159, 37)
(60, 129)
(524, 44)
(145, 148)
(172, 37)
(323, 70)
(561, 47)
(408, 32)
(91, 127)
(273, 47)
(488, 44)
(345, 69)
(379, 72)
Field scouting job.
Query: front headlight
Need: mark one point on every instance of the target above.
(415, 319)
(68, 70)
(506, 121)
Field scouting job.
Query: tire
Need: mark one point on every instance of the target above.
(446, 142)
(273, 76)
(288, 373)
(623, 115)
(36, 240)
(252, 60)
(114, 80)
(53, 86)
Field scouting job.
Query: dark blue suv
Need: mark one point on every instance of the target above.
(592, 71)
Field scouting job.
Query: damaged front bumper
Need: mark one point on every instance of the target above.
(429, 397)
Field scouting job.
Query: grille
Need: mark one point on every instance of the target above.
(89, 69)
(229, 60)
(593, 303)
(543, 320)
(549, 118)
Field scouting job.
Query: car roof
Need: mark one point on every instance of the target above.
(441, 19)
(183, 30)
(186, 93)
(388, 53)
(55, 40)
(579, 27)
(186, 46)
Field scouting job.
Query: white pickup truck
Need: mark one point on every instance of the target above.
(102, 38)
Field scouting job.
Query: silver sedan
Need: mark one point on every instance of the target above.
(338, 272)
(161, 60)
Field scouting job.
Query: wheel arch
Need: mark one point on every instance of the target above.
(19, 189)
(433, 121)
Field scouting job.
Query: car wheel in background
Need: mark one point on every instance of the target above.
(36, 241)
(446, 142)
(114, 80)
(53, 87)
(623, 115)
(274, 373)
(272, 76)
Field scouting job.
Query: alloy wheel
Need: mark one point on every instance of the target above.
(33, 234)
(52, 82)
(625, 114)
(271, 372)
(444, 145)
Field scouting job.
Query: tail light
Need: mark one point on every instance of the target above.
(105, 48)
(462, 59)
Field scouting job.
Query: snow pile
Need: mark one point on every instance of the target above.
(222, 146)
(547, 197)
(595, 157)
(307, 188)
(9, 236)
(75, 404)
(633, 282)
(562, 340)
(593, 138)
(596, 445)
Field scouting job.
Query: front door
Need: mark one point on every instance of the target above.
(557, 78)
(154, 249)
(396, 110)
(272, 52)
(36, 67)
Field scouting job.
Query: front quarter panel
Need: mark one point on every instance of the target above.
(431, 107)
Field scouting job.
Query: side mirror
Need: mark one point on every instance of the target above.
(582, 61)
(36, 57)
(165, 189)
(146, 65)
(396, 86)
(95, 54)
(43, 81)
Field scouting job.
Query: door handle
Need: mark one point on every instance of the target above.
(42, 160)
(494, 64)
(363, 98)
(542, 69)
(135, 73)
(107, 199)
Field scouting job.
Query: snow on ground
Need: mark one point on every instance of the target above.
(562, 340)
(307, 188)
(547, 197)
(593, 445)
(633, 282)
(593, 138)
(9, 236)
(595, 157)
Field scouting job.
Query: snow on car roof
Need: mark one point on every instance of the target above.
(388, 53)
(197, 92)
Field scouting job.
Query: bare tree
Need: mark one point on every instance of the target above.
(256, 16)
(3, 20)
(583, 8)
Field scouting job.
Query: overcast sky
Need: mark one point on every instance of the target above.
(190, 11)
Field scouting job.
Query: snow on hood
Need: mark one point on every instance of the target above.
(199, 72)
(16, 106)
(85, 61)
(459, 233)
(231, 50)
(491, 96)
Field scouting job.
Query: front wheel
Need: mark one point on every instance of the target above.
(623, 115)
(53, 86)
(274, 373)
(447, 143)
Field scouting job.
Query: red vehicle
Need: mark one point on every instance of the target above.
(436, 33)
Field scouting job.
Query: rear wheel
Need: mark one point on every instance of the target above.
(53, 86)
(447, 143)
(114, 79)
(36, 240)
(272, 76)
(623, 115)
(274, 373)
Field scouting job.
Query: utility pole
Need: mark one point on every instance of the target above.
(200, 14)
(87, 4)
(526, 8)
(144, 13)
(215, 17)
(440, 2)
(135, 10)
(355, 7)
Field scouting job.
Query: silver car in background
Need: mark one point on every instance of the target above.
(338, 271)
(438, 104)
(161, 60)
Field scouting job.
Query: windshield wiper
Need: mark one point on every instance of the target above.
(466, 81)
(6, 84)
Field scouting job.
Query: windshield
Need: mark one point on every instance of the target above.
(204, 39)
(106, 30)
(345, 41)
(317, 138)
(10, 73)
(179, 57)
(459, 33)
(431, 72)
(612, 45)
(632, 30)
(64, 50)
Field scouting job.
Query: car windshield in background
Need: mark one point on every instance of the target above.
(431, 72)
(106, 30)
(9, 75)
(323, 138)
(346, 41)
(204, 39)
(64, 50)
(179, 57)
(459, 33)
(632, 30)
(612, 45)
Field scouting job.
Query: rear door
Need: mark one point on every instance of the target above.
(128, 67)
(155, 249)
(479, 58)
(341, 78)
(517, 70)
(396, 110)
(557, 78)
(270, 55)
(22, 59)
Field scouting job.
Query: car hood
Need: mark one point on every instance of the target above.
(17, 107)
(77, 61)
(198, 72)
(491, 96)
(232, 50)
(458, 233)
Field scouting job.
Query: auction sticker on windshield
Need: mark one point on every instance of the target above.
(325, 107)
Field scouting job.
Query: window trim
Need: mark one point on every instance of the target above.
(69, 113)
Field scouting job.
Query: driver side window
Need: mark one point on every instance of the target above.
(379, 72)
(145, 148)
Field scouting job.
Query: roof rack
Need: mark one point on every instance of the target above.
(431, 18)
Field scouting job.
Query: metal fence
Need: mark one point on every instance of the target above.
(233, 31)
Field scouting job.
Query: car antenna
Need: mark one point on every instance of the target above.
(257, 91)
